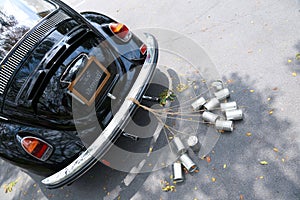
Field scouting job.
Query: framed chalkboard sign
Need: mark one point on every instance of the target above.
(90, 81)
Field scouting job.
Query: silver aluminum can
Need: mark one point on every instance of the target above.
(210, 117)
(228, 106)
(224, 125)
(234, 114)
(198, 103)
(180, 148)
(217, 85)
(177, 172)
(193, 143)
(222, 94)
(188, 163)
(212, 104)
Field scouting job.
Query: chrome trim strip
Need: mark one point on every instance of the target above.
(7, 69)
(3, 118)
(119, 120)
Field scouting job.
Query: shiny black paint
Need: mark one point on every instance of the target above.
(44, 109)
(66, 147)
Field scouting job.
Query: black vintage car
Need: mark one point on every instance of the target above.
(67, 81)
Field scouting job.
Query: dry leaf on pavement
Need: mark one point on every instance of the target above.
(208, 159)
(263, 162)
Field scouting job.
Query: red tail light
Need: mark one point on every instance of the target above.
(120, 30)
(37, 148)
(143, 49)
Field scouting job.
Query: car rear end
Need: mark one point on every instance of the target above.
(68, 63)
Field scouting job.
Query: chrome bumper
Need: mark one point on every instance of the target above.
(98, 148)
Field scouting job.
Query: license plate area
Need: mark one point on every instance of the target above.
(90, 81)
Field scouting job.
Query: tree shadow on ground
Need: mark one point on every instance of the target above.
(294, 60)
(244, 175)
(242, 178)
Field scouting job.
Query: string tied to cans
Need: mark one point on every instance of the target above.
(216, 111)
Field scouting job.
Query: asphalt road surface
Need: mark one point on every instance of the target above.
(253, 45)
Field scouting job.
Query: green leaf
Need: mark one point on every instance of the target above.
(166, 95)
(298, 56)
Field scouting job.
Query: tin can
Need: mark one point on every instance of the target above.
(210, 117)
(177, 172)
(212, 104)
(217, 85)
(180, 148)
(224, 125)
(234, 114)
(222, 94)
(188, 163)
(193, 143)
(228, 106)
(198, 103)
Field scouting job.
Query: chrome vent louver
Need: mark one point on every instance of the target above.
(8, 68)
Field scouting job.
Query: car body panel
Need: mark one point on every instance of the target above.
(35, 99)
(97, 149)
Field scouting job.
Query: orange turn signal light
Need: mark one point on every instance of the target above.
(120, 30)
(37, 148)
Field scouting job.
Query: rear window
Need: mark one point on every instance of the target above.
(17, 17)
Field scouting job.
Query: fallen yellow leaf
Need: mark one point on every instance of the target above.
(289, 60)
(181, 87)
(275, 149)
(270, 112)
(261, 177)
(294, 74)
(251, 91)
(165, 189)
(213, 179)
(249, 134)
(263, 162)
(224, 166)
(9, 187)
(172, 188)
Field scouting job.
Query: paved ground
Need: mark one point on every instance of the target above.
(253, 44)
